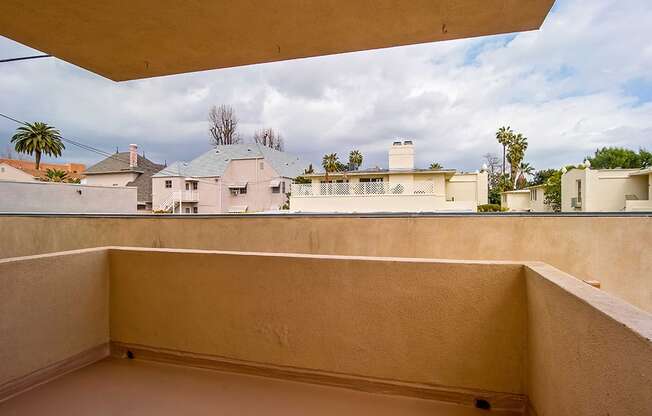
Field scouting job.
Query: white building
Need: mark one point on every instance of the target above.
(400, 188)
(529, 199)
(595, 190)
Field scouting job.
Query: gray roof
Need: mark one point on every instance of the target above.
(119, 162)
(214, 162)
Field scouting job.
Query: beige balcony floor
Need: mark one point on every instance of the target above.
(132, 387)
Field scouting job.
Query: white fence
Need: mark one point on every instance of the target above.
(363, 189)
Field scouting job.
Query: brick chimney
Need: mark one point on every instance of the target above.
(133, 155)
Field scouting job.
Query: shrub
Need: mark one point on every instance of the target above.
(491, 208)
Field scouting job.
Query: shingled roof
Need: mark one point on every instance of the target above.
(214, 162)
(119, 163)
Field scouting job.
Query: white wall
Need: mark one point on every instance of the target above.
(110, 179)
(66, 198)
(603, 190)
(10, 173)
(379, 203)
(468, 187)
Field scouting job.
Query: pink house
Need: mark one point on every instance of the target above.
(228, 179)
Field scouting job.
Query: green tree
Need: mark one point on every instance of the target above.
(646, 158)
(504, 136)
(330, 163)
(37, 139)
(552, 191)
(525, 170)
(56, 175)
(619, 157)
(435, 166)
(541, 176)
(355, 160)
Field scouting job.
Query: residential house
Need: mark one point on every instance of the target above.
(126, 169)
(25, 170)
(529, 199)
(595, 190)
(399, 188)
(234, 178)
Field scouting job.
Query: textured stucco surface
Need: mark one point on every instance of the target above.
(499, 326)
(142, 38)
(450, 324)
(611, 250)
(51, 308)
(582, 361)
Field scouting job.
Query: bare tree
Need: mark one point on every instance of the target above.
(268, 137)
(223, 125)
(494, 169)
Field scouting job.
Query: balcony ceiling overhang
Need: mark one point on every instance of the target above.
(125, 40)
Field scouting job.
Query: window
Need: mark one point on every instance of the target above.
(243, 190)
(187, 186)
(168, 184)
(283, 187)
(533, 194)
(579, 190)
(2, 169)
(276, 189)
(195, 185)
(195, 210)
(262, 165)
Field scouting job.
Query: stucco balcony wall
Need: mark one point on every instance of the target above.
(512, 333)
(610, 249)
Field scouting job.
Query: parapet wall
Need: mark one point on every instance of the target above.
(610, 249)
(444, 330)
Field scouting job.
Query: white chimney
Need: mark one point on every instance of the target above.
(401, 155)
(133, 155)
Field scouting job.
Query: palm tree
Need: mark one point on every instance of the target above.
(504, 136)
(526, 169)
(515, 154)
(330, 163)
(435, 166)
(38, 138)
(56, 175)
(355, 159)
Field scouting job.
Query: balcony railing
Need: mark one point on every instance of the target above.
(363, 189)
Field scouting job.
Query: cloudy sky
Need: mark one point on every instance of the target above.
(583, 81)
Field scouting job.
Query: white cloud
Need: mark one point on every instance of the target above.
(580, 82)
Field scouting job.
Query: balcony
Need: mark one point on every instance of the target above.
(373, 197)
(329, 334)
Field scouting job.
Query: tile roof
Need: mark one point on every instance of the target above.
(74, 170)
(214, 162)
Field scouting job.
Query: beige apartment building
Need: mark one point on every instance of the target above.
(234, 178)
(400, 188)
(529, 199)
(595, 190)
